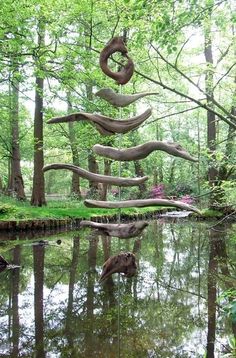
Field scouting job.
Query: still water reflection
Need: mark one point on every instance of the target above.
(54, 306)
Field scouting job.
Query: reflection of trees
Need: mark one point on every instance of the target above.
(69, 326)
(159, 308)
(218, 262)
(89, 340)
(15, 279)
(38, 255)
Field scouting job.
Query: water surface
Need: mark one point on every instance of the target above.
(54, 306)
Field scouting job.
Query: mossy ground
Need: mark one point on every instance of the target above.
(11, 209)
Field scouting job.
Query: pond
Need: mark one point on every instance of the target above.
(54, 306)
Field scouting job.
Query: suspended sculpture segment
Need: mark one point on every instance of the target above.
(121, 100)
(97, 177)
(122, 231)
(116, 44)
(105, 125)
(125, 263)
(139, 204)
(142, 151)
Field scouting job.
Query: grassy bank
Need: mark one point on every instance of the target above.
(11, 209)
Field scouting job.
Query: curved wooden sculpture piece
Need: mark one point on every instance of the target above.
(121, 100)
(116, 44)
(139, 204)
(124, 263)
(97, 177)
(123, 231)
(142, 151)
(105, 125)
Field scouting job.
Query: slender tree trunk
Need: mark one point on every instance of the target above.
(75, 183)
(93, 167)
(172, 172)
(38, 193)
(16, 184)
(107, 171)
(211, 118)
(139, 173)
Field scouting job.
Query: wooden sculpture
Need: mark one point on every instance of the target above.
(105, 125)
(122, 231)
(124, 263)
(142, 151)
(139, 204)
(116, 44)
(121, 100)
(97, 177)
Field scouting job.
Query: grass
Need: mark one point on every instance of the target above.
(11, 209)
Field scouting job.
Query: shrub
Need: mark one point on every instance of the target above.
(7, 209)
(187, 199)
(158, 191)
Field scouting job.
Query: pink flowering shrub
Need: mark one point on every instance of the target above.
(158, 192)
(187, 199)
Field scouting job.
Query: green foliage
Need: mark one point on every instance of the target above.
(7, 209)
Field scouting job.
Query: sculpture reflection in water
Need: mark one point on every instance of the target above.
(124, 263)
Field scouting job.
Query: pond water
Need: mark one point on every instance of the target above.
(54, 305)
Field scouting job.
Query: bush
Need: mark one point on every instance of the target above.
(7, 209)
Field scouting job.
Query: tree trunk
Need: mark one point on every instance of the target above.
(107, 171)
(172, 172)
(93, 167)
(75, 183)
(211, 118)
(38, 193)
(139, 173)
(16, 185)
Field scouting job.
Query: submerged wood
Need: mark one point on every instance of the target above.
(123, 231)
(121, 100)
(97, 177)
(105, 125)
(125, 263)
(139, 204)
(116, 44)
(142, 151)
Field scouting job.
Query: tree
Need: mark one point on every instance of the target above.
(16, 181)
(38, 193)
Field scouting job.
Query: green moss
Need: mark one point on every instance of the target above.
(65, 209)
(210, 213)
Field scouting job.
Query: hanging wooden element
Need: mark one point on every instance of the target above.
(105, 125)
(116, 44)
(97, 177)
(122, 231)
(142, 151)
(139, 204)
(121, 100)
(125, 263)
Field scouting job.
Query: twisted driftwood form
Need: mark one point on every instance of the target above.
(121, 100)
(105, 125)
(97, 177)
(139, 204)
(124, 262)
(123, 76)
(142, 151)
(123, 231)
